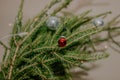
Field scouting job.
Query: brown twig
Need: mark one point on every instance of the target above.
(12, 64)
(4, 45)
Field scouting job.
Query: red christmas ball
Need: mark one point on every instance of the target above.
(62, 42)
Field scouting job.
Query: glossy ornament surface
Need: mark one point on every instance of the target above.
(53, 23)
(98, 22)
(62, 42)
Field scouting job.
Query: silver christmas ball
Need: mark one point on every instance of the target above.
(98, 22)
(53, 23)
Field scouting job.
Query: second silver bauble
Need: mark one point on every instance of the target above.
(53, 23)
(98, 22)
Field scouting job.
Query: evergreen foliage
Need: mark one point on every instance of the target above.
(37, 56)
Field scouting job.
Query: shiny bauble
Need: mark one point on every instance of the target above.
(98, 22)
(53, 23)
(62, 41)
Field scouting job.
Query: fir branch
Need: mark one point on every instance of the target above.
(33, 65)
(35, 57)
(81, 31)
(48, 69)
(17, 25)
(2, 71)
(92, 44)
(116, 50)
(47, 39)
(109, 34)
(33, 30)
(50, 61)
(84, 14)
(63, 5)
(12, 64)
(63, 59)
(113, 20)
(82, 36)
(80, 22)
(1, 43)
(67, 67)
(81, 19)
(40, 73)
(35, 42)
(26, 67)
(22, 77)
(94, 57)
(103, 14)
(38, 50)
(18, 22)
(4, 56)
(87, 57)
(44, 49)
(33, 48)
(26, 27)
(42, 13)
(57, 32)
(109, 28)
(113, 29)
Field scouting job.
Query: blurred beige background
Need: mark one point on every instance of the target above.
(109, 69)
